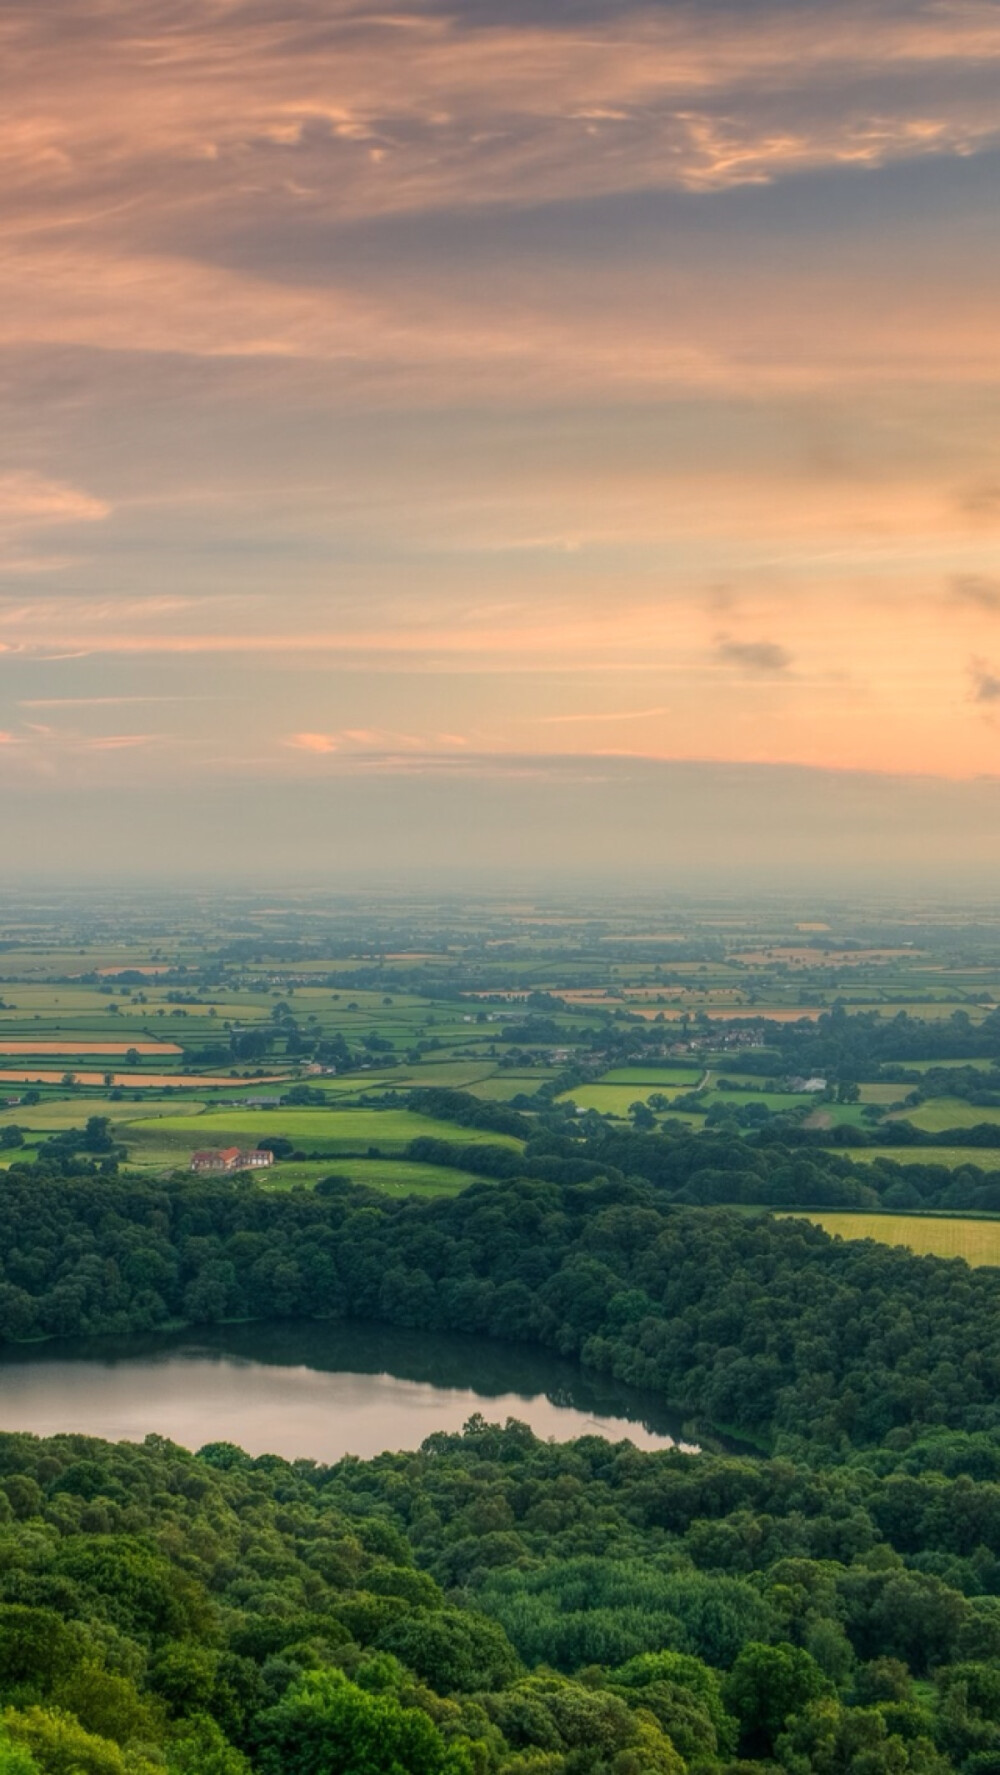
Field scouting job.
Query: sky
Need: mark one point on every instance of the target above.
(522, 432)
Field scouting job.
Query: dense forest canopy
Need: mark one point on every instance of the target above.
(491, 1604)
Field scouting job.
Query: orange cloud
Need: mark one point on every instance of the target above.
(121, 190)
(312, 742)
(30, 504)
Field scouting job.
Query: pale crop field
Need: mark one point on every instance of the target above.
(986, 1158)
(977, 1241)
(69, 1046)
(940, 1113)
(40, 1075)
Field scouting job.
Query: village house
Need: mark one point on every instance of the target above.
(232, 1158)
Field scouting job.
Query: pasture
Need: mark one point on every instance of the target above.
(391, 1177)
(986, 1158)
(330, 1131)
(656, 1077)
(775, 1101)
(941, 1113)
(615, 1100)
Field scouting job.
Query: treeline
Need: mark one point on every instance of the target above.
(857, 1045)
(465, 1110)
(786, 1168)
(799, 1342)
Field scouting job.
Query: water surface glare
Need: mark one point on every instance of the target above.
(319, 1391)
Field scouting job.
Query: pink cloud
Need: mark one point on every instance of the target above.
(312, 742)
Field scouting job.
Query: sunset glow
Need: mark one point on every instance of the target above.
(465, 392)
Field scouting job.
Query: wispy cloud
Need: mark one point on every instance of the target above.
(368, 741)
(985, 682)
(318, 743)
(30, 505)
(978, 589)
(754, 656)
(94, 702)
(336, 107)
(592, 717)
(186, 197)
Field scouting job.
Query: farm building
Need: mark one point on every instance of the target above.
(232, 1158)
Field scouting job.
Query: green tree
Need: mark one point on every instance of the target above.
(765, 1686)
(325, 1723)
(453, 1649)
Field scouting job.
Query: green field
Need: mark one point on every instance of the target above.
(656, 1077)
(502, 1086)
(392, 1177)
(775, 1101)
(980, 1065)
(977, 1241)
(330, 1131)
(940, 1113)
(55, 1113)
(987, 1158)
(615, 1100)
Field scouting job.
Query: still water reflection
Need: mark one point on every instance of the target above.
(315, 1390)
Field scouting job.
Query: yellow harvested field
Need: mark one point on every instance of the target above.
(69, 1046)
(929, 1235)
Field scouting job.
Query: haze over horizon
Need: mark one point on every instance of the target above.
(549, 436)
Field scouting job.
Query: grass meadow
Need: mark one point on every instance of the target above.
(986, 1158)
(333, 1131)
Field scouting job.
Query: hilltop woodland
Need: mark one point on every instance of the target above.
(829, 1603)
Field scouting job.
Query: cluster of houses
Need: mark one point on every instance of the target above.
(232, 1158)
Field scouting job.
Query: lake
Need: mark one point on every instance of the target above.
(314, 1390)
